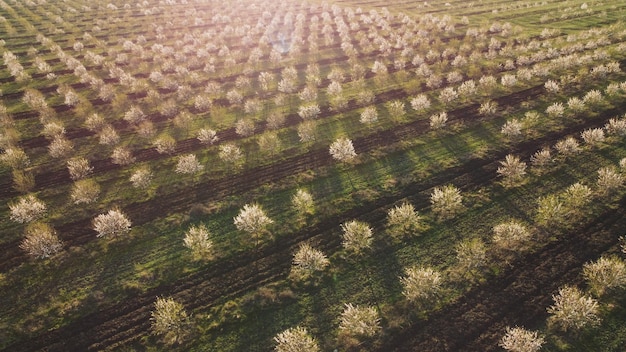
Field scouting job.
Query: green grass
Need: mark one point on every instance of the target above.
(52, 293)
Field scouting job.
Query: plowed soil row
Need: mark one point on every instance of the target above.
(49, 179)
(322, 62)
(486, 309)
(580, 17)
(519, 296)
(76, 233)
(61, 177)
(231, 78)
(129, 320)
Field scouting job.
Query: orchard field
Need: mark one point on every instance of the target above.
(256, 175)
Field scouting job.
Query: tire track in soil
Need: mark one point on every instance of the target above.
(79, 232)
(189, 145)
(256, 277)
(44, 180)
(225, 279)
(129, 320)
(520, 296)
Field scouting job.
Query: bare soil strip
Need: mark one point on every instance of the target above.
(75, 233)
(519, 296)
(129, 320)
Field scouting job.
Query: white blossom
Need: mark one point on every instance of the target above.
(403, 219)
(512, 169)
(420, 103)
(593, 136)
(295, 340)
(567, 146)
(609, 179)
(488, 108)
(309, 111)
(188, 164)
(244, 127)
(359, 321)
(512, 128)
(307, 260)
(605, 274)
(302, 201)
(342, 150)
(510, 235)
(230, 153)
(573, 310)
(446, 201)
(197, 240)
(112, 224)
(41, 241)
(85, 191)
(357, 236)
(521, 340)
(141, 178)
(170, 320)
(420, 283)
(369, 115)
(438, 121)
(27, 209)
(122, 156)
(252, 219)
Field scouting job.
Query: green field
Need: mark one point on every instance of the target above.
(179, 115)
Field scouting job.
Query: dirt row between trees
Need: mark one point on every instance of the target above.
(58, 177)
(520, 296)
(127, 321)
(79, 232)
(40, 141)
